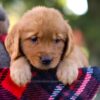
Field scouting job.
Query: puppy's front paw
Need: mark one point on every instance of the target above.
(20, 72)
(67, 74)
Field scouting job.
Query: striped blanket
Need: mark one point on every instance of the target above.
(45, 86)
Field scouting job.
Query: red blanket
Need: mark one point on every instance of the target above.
(45, 86)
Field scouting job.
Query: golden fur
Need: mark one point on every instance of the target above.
(53, 38)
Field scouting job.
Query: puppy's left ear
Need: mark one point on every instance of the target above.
(69, 43)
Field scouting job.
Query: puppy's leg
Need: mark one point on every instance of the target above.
(68, 69)
(67, 72)
(20, 71)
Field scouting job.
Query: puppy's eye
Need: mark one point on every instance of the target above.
(57, 40)
(34, 39)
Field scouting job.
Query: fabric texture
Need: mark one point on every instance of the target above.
(4, 57)
(45, 86)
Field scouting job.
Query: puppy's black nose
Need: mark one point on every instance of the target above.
(46, 60)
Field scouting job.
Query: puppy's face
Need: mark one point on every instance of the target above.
(43, 42)
(43, 50)
(42, 33)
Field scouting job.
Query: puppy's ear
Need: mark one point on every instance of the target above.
(12, 43)
(69, 44)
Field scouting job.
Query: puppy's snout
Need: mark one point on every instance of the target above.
(46, 60)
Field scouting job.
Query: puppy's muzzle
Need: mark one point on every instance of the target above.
(46, 60)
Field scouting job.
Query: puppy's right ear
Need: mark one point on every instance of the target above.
(12, 43)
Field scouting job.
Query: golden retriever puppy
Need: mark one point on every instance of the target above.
(43, 39)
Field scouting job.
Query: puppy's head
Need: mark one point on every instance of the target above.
(42, 36)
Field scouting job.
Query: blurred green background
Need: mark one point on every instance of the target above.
(84, 19)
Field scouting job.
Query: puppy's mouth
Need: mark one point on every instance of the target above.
(46, 62)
